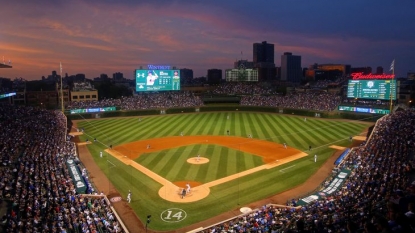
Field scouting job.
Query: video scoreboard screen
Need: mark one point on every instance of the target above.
(157, 80)
(372, 89)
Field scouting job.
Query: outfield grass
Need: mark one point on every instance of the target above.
(277, 128)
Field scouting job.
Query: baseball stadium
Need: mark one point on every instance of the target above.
(184, 161)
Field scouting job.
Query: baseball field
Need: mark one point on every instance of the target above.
(229, 159)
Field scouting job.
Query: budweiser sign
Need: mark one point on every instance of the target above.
(356, 76)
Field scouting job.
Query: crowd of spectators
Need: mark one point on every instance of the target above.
(144, 101)
(252, 95)
(366, 102)
(378, 196)
(36, 181)
(323, 84)
(243, 89)
(320, 101)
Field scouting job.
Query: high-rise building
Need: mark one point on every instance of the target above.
(263, 52)
(118, 76)
(186, 76)
(379, 70)
(291, 70)
(364, 70)
(247, 64)
(214, 76)
(263, 59)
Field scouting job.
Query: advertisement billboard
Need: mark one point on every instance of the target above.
(372, 89)
(157, 80)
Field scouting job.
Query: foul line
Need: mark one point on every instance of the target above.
(111, 163)
(286, 168)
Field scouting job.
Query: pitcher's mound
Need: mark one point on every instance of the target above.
(200, 160)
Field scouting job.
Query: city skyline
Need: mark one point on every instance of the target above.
(95, 37)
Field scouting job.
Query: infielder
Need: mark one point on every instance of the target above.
(315, 158)
(100, 154)
(285, 145)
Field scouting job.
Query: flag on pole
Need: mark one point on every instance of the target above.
(392, 65)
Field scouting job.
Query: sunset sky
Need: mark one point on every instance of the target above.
(108, 36)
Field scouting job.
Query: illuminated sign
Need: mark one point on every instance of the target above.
(7, 95)
(157, 80)
(154, 67)
(372, 89)
(357, 76)
(92, 110)
(364, 110)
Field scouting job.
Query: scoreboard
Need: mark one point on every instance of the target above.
(157, 80)
(372, 89)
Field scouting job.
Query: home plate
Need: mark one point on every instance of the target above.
(245, 210)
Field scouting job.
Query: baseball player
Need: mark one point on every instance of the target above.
(315, 158)
(129, 196)
(187, 188)
(183, 194)
(100, 154)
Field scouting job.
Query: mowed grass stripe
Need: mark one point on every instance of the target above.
(241, 124)
(291, 132)
(205, 170)
(193, 169)
(329, 131)
(164, 160)
(189, 123)
(213, 119)
(255, 129)
(205, 125)
(223, 165)
(299, 127)
(154, 129)
(308, 134)
(185, 125)
(108, 129)
(164, 129)
(320, 137)
(222, 125)
(231, 163)
(217, 125)
(264, 132)
(177, 165)
(181, 122)
(278, 132)
(199, 125)
(215, 163)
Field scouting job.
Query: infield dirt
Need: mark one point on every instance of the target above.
(273, 155)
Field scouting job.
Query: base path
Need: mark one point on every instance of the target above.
(272, 153)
